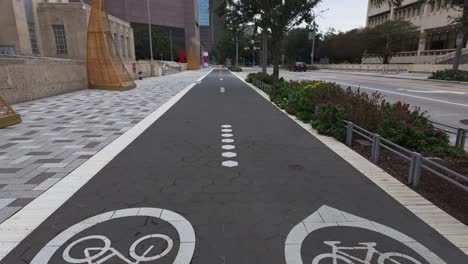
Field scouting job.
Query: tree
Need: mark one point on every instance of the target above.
(344, 46)
(234, 27)
(296, 45)
(276, 16)
(386, 39)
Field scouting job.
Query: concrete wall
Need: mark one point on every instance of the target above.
(423, 68)
(28, 79)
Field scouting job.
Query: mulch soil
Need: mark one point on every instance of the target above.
(439, 191)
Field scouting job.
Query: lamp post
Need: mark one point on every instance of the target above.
(149, 30)
(170, 37)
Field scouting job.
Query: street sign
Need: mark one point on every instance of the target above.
(311, 35)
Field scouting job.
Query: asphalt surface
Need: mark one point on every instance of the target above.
(241, 214)
(446, 103)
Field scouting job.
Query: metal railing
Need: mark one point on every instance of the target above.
(263, 86)
(417, 161)
(460, 134)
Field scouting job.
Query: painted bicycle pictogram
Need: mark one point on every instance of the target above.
(98, 255)
(338, 253)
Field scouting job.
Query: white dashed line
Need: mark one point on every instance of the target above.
(226, 131)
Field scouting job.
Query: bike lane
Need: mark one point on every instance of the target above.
(224, 177)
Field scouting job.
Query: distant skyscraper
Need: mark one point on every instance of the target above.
(211, 24)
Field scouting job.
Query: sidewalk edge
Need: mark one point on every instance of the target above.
(446, 225)
(15, 229)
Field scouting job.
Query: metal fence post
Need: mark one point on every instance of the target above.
(461, 138)
(415, 169)
(349, 133)
(375, 148)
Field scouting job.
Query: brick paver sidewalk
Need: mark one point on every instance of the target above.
(60, 133)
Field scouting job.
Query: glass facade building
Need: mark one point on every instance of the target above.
(204, 12)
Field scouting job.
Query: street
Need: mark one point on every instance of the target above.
(223, 177)
(446, 103)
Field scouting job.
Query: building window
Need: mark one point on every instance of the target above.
(204, 12)
(33, 39)
(116, 43)
(60, 39)
(7, 50)
(122, 43)
(129, 52)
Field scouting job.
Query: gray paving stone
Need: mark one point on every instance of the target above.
(9, 170)
(48, 161)
(7, 212)
(40, 178)
(20, 202)
(39, 153)
(18, 187)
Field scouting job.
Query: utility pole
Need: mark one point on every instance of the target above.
(170, 38)
(264, 51)
(149, 30)
(312, 36)
(237, 51)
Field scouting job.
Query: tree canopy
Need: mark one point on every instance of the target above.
(275, 16)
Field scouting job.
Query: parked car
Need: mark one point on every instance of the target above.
(298, 66)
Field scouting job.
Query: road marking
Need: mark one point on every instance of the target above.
(326, 217)
(183, 227)
(222, 90)
(14, 230)
(431, 91)
(409, 95)
(226, 130)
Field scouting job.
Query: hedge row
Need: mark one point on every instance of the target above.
(450, 75)
(326, 105)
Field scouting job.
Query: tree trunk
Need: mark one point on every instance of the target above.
(276, 54)
(264, 51)
(237, 52)
(458, 53)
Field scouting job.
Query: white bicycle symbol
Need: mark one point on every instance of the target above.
(338, 254)
(106, 252)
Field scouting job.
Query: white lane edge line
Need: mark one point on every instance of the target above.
(12, 233)
(388, 185)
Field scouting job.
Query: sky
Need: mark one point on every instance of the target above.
(341, 15)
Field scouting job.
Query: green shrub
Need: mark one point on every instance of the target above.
(312, 68)
(330, 121)
(235, 69)
(450, 75)
(398, 122)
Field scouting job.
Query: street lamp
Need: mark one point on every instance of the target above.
(149, 30)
